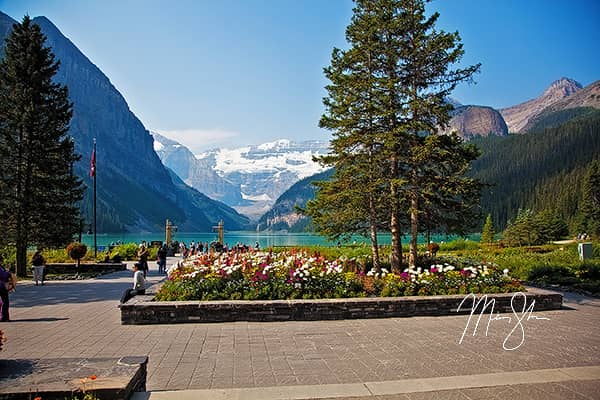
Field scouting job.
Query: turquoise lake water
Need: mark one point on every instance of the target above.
(249, 238)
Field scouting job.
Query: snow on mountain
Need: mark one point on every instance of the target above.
(260, 173)
(267, 158)
(158, 146)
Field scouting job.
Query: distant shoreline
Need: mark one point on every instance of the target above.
(251, 237)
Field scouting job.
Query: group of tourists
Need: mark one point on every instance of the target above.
(194, 248)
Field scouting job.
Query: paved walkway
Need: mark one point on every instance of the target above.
(374, 359)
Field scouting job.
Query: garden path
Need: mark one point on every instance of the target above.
(81, 319)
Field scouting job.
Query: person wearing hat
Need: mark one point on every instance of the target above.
(139, 285)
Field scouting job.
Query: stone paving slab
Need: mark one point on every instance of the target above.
(82, 319)
(59, 378)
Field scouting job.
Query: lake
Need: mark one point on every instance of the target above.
(249, 238)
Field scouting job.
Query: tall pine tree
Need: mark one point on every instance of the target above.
(38, 190)
(351, 201)
(420, 60)
(388, 93)
(487, 234)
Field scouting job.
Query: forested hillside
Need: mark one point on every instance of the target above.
(283, 215)
(539, 170)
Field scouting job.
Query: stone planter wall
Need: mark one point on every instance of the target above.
(143, 310)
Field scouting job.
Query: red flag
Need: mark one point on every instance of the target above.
(93, 164)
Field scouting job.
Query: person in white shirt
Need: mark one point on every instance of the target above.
(139, 285)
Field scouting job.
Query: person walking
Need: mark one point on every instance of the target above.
(143, 259)
(161, 254)
(6, 284)
(139, 285)
(37, 264)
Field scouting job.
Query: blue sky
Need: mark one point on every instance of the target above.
(228, 73)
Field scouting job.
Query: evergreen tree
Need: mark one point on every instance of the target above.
(38, 190)
(351, 202)
(422, 58)
(449, 200)
(524, 231)
(551, 225)
(540, 170)
(530, 228)
(487, 234)
(388, 93)
(590, 203)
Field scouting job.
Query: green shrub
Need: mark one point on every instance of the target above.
(549, 273)
(127, 251)
(57, 256)
(10, 257)
(590, 272)
(460, 244)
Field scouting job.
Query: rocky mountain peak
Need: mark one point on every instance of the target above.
(473, 121)
(562, 88)
(518, 117)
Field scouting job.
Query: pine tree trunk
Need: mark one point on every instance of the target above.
(21, 237)
(396, 256)
(414, 229)
(21, 247)
(374, 245)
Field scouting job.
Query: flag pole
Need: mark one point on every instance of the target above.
(95, 230)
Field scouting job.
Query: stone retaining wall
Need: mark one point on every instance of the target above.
(143, 310)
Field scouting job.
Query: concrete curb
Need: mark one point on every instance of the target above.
(382, 388)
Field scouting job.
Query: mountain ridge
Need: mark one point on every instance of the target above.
(254, 175)
(135, 191)
(519, 115)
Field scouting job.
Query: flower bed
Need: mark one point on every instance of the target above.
(297, 275)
